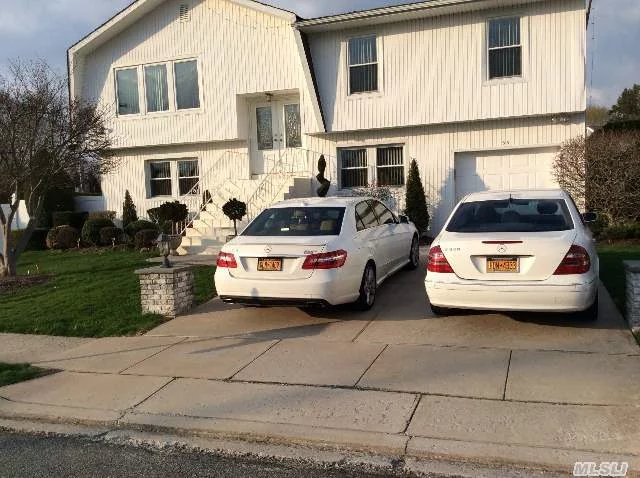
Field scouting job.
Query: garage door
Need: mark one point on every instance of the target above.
(504, 170)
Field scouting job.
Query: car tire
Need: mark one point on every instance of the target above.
(591, 314)
(414, 254)
(368, 288)
(440, 310)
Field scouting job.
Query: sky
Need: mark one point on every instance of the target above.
(31, 29)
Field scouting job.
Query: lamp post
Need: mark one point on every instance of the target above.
(163, 242)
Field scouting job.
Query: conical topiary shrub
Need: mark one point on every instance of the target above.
(416, 205)
(129, 213)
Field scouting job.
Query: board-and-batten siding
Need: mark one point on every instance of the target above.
(435, 148)
(434, 69)
(240, 51)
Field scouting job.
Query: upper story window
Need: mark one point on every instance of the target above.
(155, 82)
(168, 86)
(187, 88)
(127, 91)
(505, 48)
(363, 65)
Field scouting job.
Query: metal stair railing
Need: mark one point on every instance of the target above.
(215, 171)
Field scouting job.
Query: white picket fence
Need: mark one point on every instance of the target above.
(20, 220)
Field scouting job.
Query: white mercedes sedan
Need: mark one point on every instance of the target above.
(515, 251)
(316, 251)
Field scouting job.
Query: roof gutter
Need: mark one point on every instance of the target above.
(380, 12)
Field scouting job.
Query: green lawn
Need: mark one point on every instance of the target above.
(14, 373)
(612, 271)
(93, 294)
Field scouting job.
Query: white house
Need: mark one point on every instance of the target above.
(240, 99)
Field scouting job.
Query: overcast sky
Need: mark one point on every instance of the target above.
(46, 28)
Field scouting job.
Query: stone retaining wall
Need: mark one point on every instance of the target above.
(169, 292)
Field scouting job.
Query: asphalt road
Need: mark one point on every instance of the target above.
(33, 456)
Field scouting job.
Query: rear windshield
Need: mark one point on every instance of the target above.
(512, 215)
(297, 221)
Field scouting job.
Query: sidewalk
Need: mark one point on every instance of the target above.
(335, 381)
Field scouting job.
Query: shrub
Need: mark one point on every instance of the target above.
(133, 228)
(108, 234)
(146, 238)
(37, 241)
(616, 232)
(235, 210)
(55, 200)
(91, 230)
(416, 207)
(63, 237)
(604, 170)
(70, 218)
(129, 212)
(107, 215)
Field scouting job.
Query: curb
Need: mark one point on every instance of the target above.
(390, 455)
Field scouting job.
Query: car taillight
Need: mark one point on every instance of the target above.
(326, 260)
(226, 260)
(438, 262)
(577, 261)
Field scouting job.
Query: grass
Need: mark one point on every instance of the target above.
(14, 373)
(612, 271)
(93, 294)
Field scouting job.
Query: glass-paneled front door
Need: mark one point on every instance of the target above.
(275, 126)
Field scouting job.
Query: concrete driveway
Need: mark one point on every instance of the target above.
(526, 388)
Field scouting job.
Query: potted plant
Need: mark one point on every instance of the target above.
(234, 210)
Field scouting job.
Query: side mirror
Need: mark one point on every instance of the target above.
(589, 217)
(403, 219)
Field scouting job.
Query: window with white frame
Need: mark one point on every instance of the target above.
(353, 168)
(379, 165)
(175, 177)
(127, 91)
(363, 65)
(155, 82)
(504, 48)
(389, 166)
(188, 177)
(160, 178)
(158, 96)
(186, 81)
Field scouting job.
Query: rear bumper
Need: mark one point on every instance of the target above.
(322, 288)
(522, 297)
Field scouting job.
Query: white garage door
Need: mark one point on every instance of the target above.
(504, 170)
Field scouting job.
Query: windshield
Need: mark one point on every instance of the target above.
(297, 221)
(512, 215)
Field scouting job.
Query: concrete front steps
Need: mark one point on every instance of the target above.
(210, 230)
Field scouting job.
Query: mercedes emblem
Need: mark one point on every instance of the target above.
(502, 249)
(267, 250)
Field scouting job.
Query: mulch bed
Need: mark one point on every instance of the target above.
(12, 284)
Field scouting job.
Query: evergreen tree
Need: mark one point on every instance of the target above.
(416, 206)
(129, 213)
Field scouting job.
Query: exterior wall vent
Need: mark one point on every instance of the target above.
(185, 13)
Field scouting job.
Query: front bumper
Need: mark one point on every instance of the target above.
(532, 297)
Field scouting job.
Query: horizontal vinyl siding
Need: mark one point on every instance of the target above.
(434, 69)
(240, 51)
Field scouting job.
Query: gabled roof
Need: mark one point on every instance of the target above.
(139, 8)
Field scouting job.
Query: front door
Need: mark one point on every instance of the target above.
(275, 127)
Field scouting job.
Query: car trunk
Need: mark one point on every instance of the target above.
(512, 256)
(249, 250)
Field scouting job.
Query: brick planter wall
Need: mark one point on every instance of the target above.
(168, 292)
(633, 294)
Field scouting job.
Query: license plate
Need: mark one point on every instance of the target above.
(503, 265)
(269, 265)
